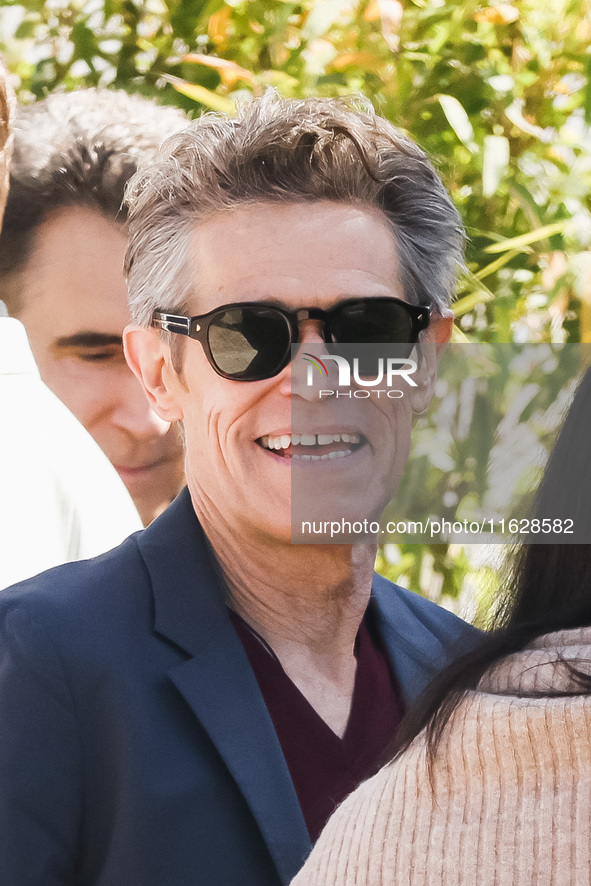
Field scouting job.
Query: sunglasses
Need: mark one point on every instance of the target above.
(252, 341)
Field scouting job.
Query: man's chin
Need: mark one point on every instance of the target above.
(149, 497)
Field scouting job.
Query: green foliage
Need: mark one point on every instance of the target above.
(499, 96)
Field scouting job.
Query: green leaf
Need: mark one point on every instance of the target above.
(322, 16)
(468, 280)
(26, 29)
(495, 162)
(495, 265)
(515, 114)
(201, 94)
(469, 302)
(588, 93)
(282, 81)
(458, 120)
(529, 206)
(457, 336)
(529, 238)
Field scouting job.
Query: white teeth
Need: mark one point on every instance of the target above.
(324, 439)
(284, 441)
(329, 456)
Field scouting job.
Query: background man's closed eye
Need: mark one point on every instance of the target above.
(61, 260)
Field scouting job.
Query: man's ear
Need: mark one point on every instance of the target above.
(431, 348)
(440, 328)
(148, 357)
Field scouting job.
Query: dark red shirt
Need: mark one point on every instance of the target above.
(323, 767)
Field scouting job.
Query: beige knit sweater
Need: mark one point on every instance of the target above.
(512, 798)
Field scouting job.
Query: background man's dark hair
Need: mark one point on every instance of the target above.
(75, 149)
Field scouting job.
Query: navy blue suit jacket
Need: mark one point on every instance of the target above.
(135, 746)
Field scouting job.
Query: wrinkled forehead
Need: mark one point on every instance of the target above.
(296, 254)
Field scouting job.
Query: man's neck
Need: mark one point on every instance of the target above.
(307, 603)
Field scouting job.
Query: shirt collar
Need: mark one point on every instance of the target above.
(16, 357)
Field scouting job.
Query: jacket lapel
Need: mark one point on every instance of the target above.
(219, 686)
(217, 681)
(240, 727)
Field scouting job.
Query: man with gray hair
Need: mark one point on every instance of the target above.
(191, 707)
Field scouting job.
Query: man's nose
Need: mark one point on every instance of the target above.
(310, 332)
(132, 412)
(310, 344)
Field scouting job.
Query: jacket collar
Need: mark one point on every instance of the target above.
(415, 651)
(176, 553)
(191, 612)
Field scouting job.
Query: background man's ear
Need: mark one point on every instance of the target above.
(431, 349)
(148, 357)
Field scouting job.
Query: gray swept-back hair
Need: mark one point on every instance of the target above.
(280, 150)
(74, 149)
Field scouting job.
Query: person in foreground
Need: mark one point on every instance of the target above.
(492, 780)
(60, 499)
(191, 706)
(61, 271)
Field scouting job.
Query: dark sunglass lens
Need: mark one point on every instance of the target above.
(372, 321)
(249, 343)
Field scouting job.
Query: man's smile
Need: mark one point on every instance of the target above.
(313, 447)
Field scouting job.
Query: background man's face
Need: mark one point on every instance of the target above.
(75, 309)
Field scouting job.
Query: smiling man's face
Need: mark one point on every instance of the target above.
(74, 311)
(311, 255)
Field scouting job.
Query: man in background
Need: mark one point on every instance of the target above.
(60, 499)
(61, 259)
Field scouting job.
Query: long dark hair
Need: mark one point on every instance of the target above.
(549, 585)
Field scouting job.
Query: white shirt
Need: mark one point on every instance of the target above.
(60, 497)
